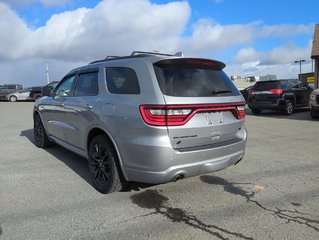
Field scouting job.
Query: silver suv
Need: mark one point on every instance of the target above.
(151, 118)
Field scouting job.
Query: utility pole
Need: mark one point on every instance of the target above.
(300, 61)
(47, 72)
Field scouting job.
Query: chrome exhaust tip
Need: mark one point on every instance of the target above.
(178, 177)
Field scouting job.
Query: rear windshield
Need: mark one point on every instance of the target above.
(265, 86)
(193, 80)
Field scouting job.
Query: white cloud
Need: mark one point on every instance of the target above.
(278, 61)
(281, 55)
(112, 27)
(286, 54)
(208, 37)
(285, 30)
(12, 34)
(248, 54)
(117, 27)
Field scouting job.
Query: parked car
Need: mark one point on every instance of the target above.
(284, 95)
(151, 118)
(23, 95)
(35, 92)
(314, 104)
(9, 88)
(47, 89)
(245, 91)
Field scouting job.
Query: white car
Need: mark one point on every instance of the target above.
(314, 104)
(22, 95)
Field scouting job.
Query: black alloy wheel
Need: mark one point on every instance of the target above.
(40, 137)
(103, 165)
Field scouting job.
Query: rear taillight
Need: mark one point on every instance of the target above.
(159, 115)
(251, 92)
(276, 91)
(240, 112)
(178, 115)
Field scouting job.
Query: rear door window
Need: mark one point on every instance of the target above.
(186, 79)
(122, 80)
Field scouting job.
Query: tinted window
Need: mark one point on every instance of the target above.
(193, 81)
(303, 85)
(288, 84)
(64, 89)
(52, 84)
(264, 86)
(87, 84)
(122, 80)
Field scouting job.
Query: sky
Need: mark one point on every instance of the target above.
(253, 37)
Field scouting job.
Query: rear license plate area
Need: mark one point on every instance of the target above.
(214, 118)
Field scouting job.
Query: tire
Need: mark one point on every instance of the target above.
(314, 114)
(256, 110)
(37, 97)
(288, 108)
(104, 166)
(40, 137)
(13, 98)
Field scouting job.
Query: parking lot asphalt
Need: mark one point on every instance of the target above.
(272, 194)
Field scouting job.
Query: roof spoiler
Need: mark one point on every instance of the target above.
(135, 53)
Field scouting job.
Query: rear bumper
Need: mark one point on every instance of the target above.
(276, 105)
(162, 164)
(186, 170)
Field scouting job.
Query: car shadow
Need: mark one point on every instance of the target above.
(77, 163)
(298, 114)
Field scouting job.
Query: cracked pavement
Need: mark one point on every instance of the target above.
(272, 194)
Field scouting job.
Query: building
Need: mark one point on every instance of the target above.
(315, 54)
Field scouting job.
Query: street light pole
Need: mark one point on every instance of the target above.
(47, 73)
(300, 61)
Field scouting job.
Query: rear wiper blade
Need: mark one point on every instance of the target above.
(221, 91)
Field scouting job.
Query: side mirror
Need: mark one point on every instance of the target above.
(47, 92)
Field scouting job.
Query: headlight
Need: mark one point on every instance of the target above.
(313, 96)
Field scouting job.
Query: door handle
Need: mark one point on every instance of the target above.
(88, 106)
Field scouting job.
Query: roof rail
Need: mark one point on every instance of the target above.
(135, 53)
(102, 60)
(111, 57)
